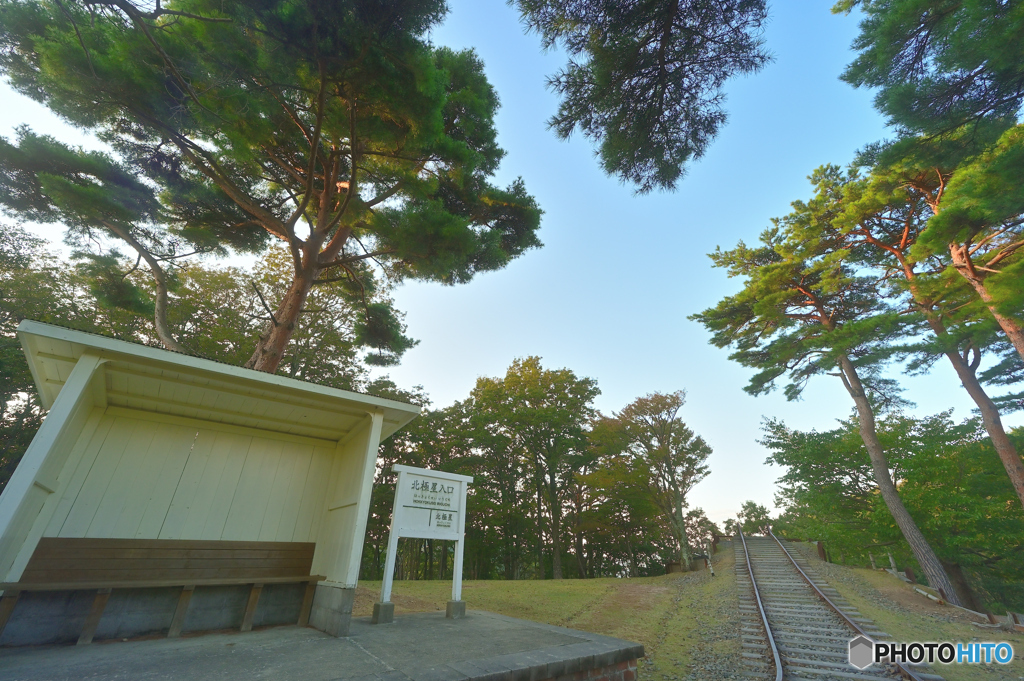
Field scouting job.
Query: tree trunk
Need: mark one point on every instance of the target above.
(684, 551)
(993, 424)
(632, 556)
(963, 265)
(556, 527)
(514, 550)
(680, 523)
(962, 587)
(967, 373)
(540, 526)
(163, 329)
(581, 564)
(926, 557)
(272, 343)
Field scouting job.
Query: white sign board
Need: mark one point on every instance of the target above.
(428, 505)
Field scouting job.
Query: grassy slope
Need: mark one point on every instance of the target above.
(682, 621)
(908, 616)
(688, 623)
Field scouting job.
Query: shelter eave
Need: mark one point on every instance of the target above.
(154, 380)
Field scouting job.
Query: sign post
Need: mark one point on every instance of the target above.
(428, 505)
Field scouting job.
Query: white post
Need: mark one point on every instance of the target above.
(457, 572)
(389, 569)
(369, 457)
(389, 562)
(459, 544)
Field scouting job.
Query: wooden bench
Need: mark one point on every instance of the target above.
(101, 565)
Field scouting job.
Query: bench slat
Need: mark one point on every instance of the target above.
(290, 565)
(86, 586)
(179, 576)
(68, 560)
(77, 543)
(105, 553)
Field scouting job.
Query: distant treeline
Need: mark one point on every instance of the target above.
(559, 490)
(949, 478)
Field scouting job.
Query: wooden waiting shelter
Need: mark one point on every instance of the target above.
(167, 493)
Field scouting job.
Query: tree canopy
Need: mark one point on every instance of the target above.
(754, 518)
(939, 65)
(559, 490)
(645, 79)
(670, 457)
(873, 226)
(804, 312)
(216, 312)
(545, 413)
(336, 130)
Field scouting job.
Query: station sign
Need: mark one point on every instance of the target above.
(428, 505)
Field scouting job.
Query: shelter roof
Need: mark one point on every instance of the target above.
(155, 380)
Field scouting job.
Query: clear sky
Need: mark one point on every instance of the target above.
(609, 293)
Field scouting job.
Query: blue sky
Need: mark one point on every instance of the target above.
(609, 293)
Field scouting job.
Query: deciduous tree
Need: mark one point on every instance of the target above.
(948, 479)
(546, 413)
(672, 457)
(754, 518)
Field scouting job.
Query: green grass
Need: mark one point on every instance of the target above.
(910, 626)
(669, 615)
(692, 619)
(908, 616)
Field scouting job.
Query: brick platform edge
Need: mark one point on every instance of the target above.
(623, 671)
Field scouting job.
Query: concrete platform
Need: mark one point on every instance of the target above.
(418, 647)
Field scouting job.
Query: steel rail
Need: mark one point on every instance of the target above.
(842, 615)
(760, 606)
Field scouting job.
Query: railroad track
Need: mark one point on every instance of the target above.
(796, 626)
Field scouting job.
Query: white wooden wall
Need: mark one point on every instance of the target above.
(100, 470)
(29, 493)
(150, 476)
(348, 504)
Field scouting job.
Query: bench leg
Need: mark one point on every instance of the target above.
(307, 604)
(7, 603)
(179, 612)
(92, 622)
(250, 607)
